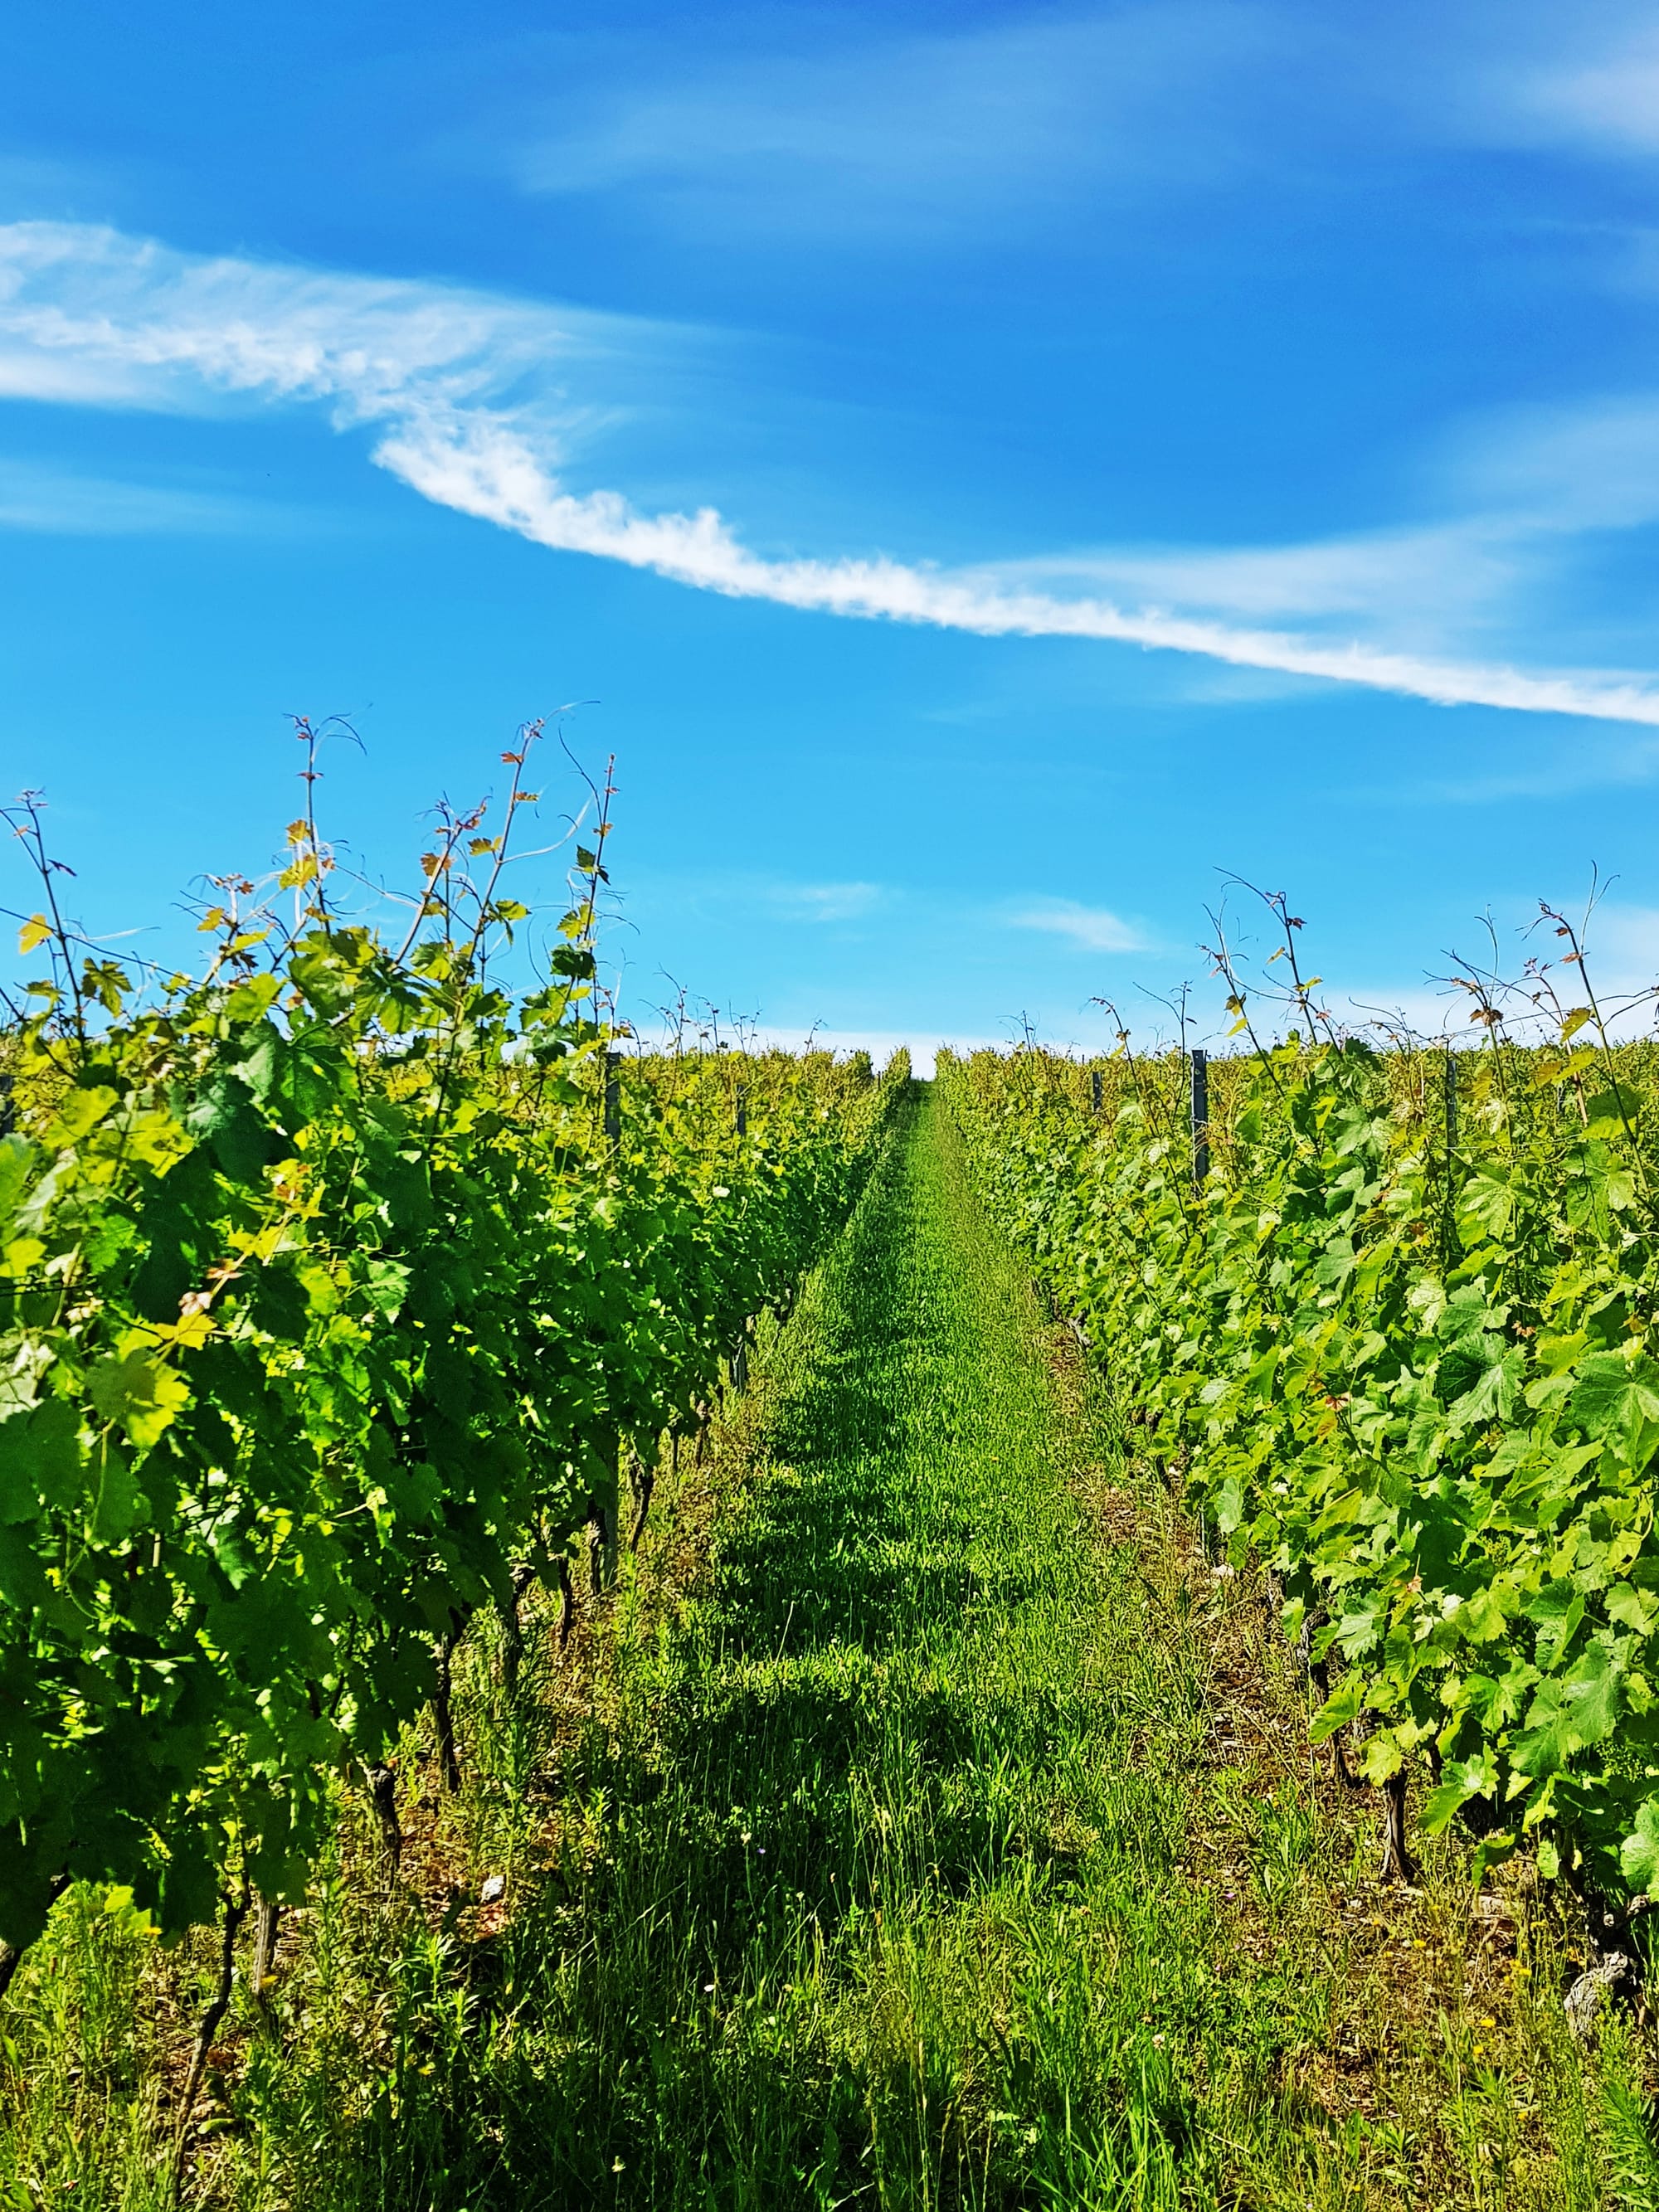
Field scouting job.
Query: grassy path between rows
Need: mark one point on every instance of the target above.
(911, 1879)
(883, 1921)
(887, 1929)
(895, 1866)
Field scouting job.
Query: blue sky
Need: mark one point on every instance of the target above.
(997, 470)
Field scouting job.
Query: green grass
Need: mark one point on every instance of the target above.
(929, 1831)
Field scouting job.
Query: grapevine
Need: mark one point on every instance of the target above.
(333, 1304)
(1398, 1334)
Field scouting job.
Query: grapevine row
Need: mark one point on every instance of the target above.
(337, 1286)
(1394, 1315)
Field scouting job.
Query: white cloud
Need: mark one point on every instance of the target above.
(1426, 1011)
(751, 896)
(487, 468)
(1526, 478)
(808, 1034)
(1621, 942)
(1590, 465)
(89, 315)
(1090, 927)
(1617, 102)
(1525, 73)
(942, 135)
(1426, 578)
(1599, 89)
(881, 1044)
(816, 133)
(823, 903)
(472, 401)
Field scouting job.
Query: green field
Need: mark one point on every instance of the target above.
(923, 1821)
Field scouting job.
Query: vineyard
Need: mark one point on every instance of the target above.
(571, 1631)
(1387, 1320)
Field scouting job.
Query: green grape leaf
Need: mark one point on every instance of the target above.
(1558, 1609)
(1633, 1608)
(222, 1113)
(117, 1506)
(1461, 1781)
(1230, 1504)
(1617, 1400)
(79, 1113)
(1609, 1110)
(40, 1463)
(138, 1394)
(1638, 1855)
(1568, 1715)
(262, 1066)
(17, 1158)
(1344, 1705)
(1485, 1205)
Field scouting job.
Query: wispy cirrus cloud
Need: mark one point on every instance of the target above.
(823, 903)
(1544, 468)
(1093, 927)
(479, 403)
(1060, 120)
(1586, 77)
(91, 315)
(885, 139)
(1432, 579)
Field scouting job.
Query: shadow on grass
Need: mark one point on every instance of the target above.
(771, 1983)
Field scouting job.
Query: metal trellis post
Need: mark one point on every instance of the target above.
(1201, 1089)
